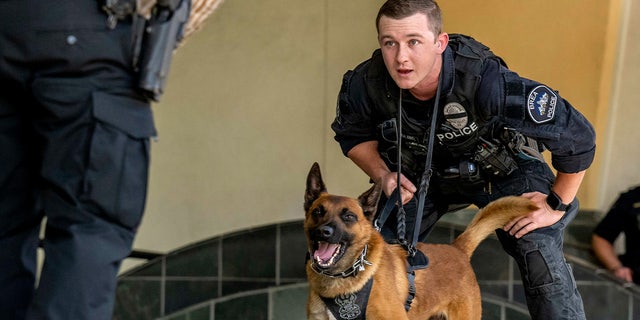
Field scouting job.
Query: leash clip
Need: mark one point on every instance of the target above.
(376, 225)
(411, 250)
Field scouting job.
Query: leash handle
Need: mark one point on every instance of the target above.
(386, 211)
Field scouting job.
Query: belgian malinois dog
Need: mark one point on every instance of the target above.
(346, 252)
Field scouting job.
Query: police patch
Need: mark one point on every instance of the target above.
(541, 104)
(456, 115)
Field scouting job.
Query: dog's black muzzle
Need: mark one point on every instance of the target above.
(328, 233)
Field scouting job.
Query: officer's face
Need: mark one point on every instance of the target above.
(411, 53)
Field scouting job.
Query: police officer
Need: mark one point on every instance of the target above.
(623, 217)
(74, 148)
(490, 128)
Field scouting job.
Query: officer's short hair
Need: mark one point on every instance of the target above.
(398, 9)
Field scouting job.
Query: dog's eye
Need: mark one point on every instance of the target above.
(348, 216)
(318, 212)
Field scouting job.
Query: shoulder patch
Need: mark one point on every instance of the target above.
(541, 104)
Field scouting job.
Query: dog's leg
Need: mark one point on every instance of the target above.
(316, 309)
(469, 308)
(442, 316)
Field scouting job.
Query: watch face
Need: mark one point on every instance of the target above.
(553, 200)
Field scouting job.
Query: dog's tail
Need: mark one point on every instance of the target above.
(495, 215)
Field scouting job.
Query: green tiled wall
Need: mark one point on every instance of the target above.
(259, 274)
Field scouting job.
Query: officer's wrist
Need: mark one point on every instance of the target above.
(555, 202)
(380, 176)
(614, 269)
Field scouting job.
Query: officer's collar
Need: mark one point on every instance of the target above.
(447, 72)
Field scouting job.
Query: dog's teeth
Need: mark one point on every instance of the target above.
(321, 254)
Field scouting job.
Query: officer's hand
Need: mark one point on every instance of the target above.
(389, 184)
(543, 217)
(623, 273)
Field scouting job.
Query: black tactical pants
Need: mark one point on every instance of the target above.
(74, 148)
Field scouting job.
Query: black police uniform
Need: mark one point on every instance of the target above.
(485, 109)
(624, 217)
(74, 148)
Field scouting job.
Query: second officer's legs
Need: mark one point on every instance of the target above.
(94, 170)
(93, 134)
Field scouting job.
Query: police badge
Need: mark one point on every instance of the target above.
(456, 115)
(541, 104)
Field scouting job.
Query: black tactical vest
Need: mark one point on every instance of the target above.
(460, 128)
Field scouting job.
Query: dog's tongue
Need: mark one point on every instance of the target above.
(325, 250)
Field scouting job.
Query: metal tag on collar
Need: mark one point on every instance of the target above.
(363, 258)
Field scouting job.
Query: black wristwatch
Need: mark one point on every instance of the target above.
(554, 201)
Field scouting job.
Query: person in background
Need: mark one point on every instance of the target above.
(77, 78)
(490, 127)
(622, 217)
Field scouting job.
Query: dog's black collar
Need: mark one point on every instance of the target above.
(357, 266)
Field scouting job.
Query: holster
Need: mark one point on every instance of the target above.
(156, 33)
(494, 159)
(154, 46)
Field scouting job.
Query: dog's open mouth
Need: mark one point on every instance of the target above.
(326, 254)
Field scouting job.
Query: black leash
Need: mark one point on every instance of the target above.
(401, 215)
(417, 260)
(426, 175)
(395, 197)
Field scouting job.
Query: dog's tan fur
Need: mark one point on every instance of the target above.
(446, 289)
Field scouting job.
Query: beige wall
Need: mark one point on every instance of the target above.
(246, 113)
(620, 141)
(250, 98)
(555, 42)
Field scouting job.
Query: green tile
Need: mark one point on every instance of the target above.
(180, 294)
(293, 249)
(230, 287)
(605, 301)
(514, 314)
(491, 311)
(490, 262)
(200, 314)
(251, 254)
(290, 304)
(137, 299)
(198, 261)
(255, 307)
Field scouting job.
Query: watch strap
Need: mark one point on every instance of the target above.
(554, 201)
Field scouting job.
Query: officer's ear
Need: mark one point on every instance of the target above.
(441, 42)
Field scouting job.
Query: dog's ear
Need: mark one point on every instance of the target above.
(315, 186)
(369, 201)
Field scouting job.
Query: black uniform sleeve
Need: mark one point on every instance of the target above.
(613, 223)
(353, 124)
(540, 112)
